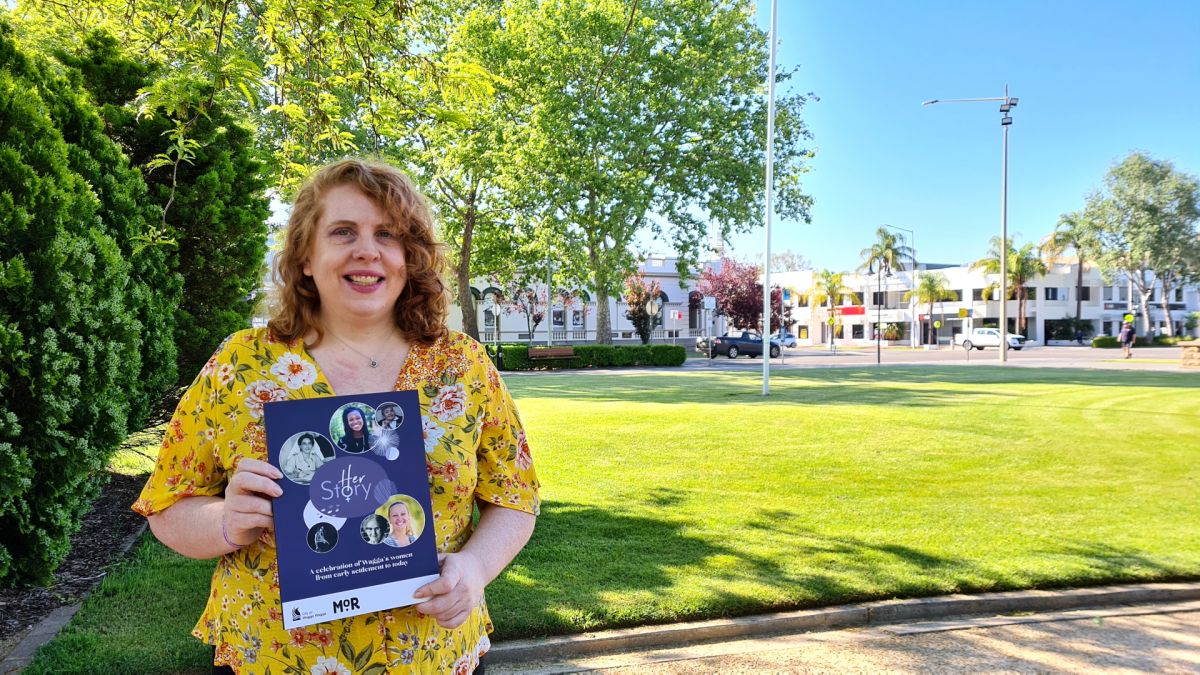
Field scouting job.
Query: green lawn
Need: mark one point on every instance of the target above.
(687, 495)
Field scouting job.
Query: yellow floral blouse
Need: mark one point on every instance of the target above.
(475, 449)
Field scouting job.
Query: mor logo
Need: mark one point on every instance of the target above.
(345, 605)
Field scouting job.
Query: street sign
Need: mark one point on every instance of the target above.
(829, 321)
(964, 313)
(710, 303)
(937, 324)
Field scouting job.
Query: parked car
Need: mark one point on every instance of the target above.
(786, 339)
(978, 338)
(743, 342)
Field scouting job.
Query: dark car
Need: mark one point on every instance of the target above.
(745, 342)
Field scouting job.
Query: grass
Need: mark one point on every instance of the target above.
(687, 495)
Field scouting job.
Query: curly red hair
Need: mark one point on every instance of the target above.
(421, 310)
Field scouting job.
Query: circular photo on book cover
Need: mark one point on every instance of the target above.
(322, 537)
(388, 419)
(302, 454)
(353, 429)
(373, 528)
(405, 520)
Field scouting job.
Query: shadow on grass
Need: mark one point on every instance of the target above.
(588, 568)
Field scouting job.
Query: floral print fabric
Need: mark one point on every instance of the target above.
(475, 449)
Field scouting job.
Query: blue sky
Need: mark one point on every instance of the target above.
(1095, 80)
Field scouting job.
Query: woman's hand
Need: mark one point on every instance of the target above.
(247, 508)
(454, 595)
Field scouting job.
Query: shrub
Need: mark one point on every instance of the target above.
(516, 357)
(1105, 342)
(218, 205)
(69, 334)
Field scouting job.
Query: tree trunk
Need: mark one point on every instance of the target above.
(1144, 305)
(603, 325)
(1165, 302)
(466, 300)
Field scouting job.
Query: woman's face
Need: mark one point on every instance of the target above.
(372, 531)
(398, 518)
(356, 261)
(355, 420)
(306, 446)
(389, 414)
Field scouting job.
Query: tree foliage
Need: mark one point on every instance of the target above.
(888, 253)
(651, 117)
(931, 287)
(638, 296)
(214, 206)
(76, 360)
(1024, 265)
(1144, 224)
(739, 294)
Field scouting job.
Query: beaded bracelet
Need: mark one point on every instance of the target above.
(225, 535)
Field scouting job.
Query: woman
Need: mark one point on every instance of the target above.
(401, 526)
(303, 461)
(362, 309)
(357, 438)
(372, 528)
(1127, 336)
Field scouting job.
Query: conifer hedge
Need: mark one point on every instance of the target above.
(84, 340)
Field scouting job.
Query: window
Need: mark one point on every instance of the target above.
(1085, 293)
(577, 318)
(558, 318)
(1108, 325)
(1108, 294)
(856, 331)
(879, 297)
(489, 318)
(1179, 294)
(803, 333)
(977, 294)
(1030, 292)
(1051, 293)
(858, 299)
(954, 296)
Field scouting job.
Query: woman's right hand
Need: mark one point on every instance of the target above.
(247, 510)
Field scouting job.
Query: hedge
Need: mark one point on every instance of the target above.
(1109, 341)
(71, 343)
(516, 357)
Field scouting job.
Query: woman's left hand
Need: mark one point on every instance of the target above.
(454, 595)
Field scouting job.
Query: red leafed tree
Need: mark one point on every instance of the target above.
(739, 295)
(637, 293)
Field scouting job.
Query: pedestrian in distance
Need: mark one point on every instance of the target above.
(1126, 339)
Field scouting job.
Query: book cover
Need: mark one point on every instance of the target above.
(354, 527)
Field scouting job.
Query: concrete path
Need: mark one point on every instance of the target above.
(1163, 637)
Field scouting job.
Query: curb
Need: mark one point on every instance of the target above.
(843, 616)
(46, 629)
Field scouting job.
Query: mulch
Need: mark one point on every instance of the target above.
(94, 548)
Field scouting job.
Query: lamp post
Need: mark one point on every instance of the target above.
(1006, 105)
(912, 324)
(770, 205)
(883, 269)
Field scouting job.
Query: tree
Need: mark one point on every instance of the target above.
(1144, 225)
(932, 287)
(1024, 266)
(887, 253)
(1070, 234)
(736, 287)
(71, 293)
(787, 261)
(653, 118)
(527, 301)
(213, 206)
(829, 290)
(638, 295)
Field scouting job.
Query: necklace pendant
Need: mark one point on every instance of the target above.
(374, 363)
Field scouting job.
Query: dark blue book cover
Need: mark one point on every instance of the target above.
(354, 527)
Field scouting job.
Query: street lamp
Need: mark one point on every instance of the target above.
(912, 324)
(1006, 106)
(883, 269)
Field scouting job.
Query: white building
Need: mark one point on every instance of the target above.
(877, 301)
(682, 317)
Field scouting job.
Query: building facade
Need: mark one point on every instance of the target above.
(877, 301)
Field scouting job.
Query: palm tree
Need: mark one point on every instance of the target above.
(1023, 266)
(1069, 234)
(887, 253)
(932, 288)
(826, 291)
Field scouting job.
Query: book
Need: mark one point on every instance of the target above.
(354, 527)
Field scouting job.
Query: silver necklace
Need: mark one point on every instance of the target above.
(370, 359)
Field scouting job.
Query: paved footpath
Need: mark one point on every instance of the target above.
(1162, 638)
(1111, 629)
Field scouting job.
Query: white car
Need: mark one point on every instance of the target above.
(978, 338)
(787, 339)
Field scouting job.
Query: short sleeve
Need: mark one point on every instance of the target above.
(506, 474)
(188, 459)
